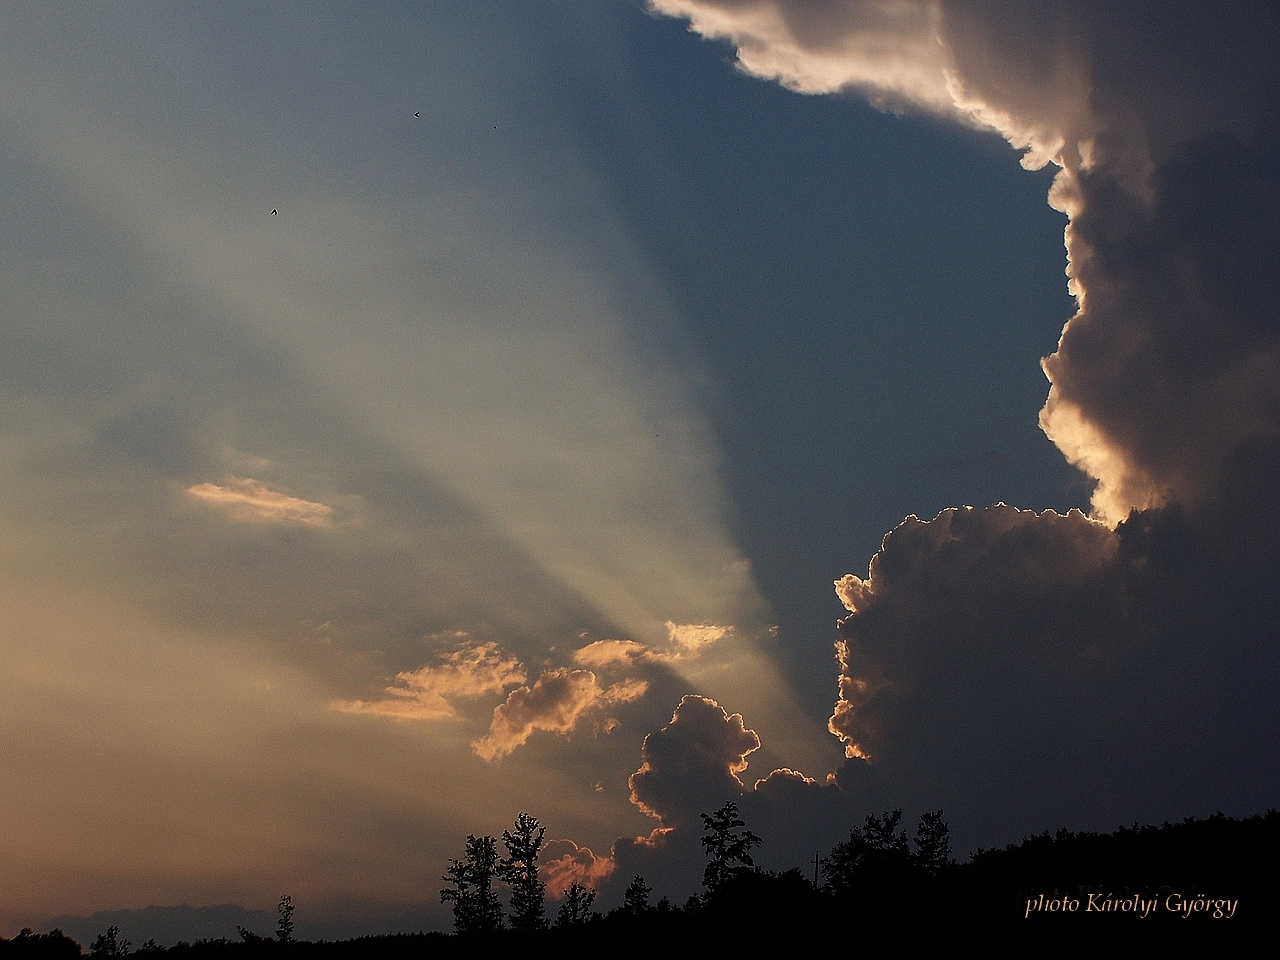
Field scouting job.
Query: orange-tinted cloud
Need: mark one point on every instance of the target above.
(555, 703)
(425, 693)
(625, 691)
(689, 639)
(608, 653)
(686, 641)
(246, 499)
(565, 863)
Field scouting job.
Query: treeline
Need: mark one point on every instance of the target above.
(1175, 877)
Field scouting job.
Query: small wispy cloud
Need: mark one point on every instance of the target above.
(689, 639)
(426, 693)
(625, 691)
(685, 641)
(246, 499)
(609, 653)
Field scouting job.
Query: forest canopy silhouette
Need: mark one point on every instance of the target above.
(1153, 875)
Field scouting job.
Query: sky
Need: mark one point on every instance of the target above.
(412, 415)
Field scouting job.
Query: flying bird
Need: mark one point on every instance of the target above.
(419, 115)
(273, 211)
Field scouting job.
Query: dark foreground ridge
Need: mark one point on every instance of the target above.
(1209, 876)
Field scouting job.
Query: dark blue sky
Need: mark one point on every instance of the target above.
(874, 293)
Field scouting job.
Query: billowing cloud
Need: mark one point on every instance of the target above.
(425, 693)
(564, 863)
(1024, 669)
(456, 322)
(243, 498)
(692, 764)
(1040, 585)
(555, 703)
(887, 50)
(1163, 121)
(1031, 668)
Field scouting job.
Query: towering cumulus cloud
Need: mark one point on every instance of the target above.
(692, 764)
(1086, 667)
(1162, 118)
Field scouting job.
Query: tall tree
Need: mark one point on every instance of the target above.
(636, 898)
(110, 944)
(461, 893)
(575, 908)
(284, 930)
(476, 907)
(933, 843)
(727, 848)
(519, 868)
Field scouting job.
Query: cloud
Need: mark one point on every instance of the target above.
(686, 641)
(610, 653)
(819, 48)
(690, 639)
(1033, 668)
(248, 500)
(692, 764)
(1023, 669)
(564, 863)
(1164, 386)
(555, 703)
(1011, 577)
(626, 691)
(425, 693)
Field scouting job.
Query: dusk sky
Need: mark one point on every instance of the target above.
(407, 409)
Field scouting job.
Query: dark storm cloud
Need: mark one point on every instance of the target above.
(692, 764)
(1174, 358)
(1164, 120)
(1024, 668)
(1030, 669)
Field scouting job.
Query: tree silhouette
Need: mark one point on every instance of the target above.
(476, 907)
(520, 870)
(246, 936)
(575, 908)
(636, 897)
(933, 843)
(727, 849)
(284, 929)
(110, 944)
(54, 945)
(878, 853)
